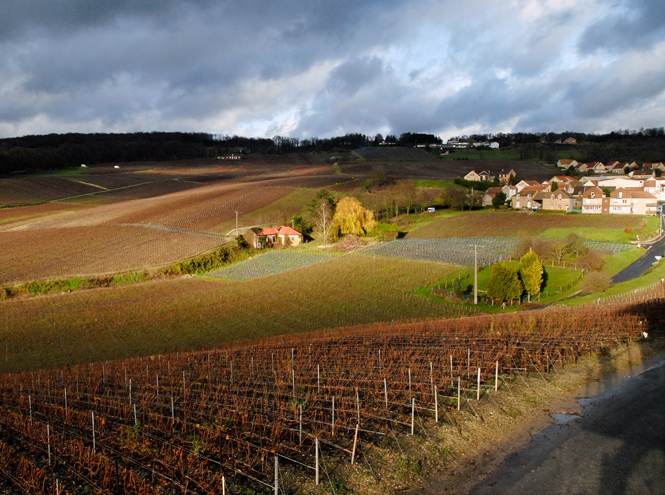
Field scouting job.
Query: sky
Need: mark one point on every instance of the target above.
(321, 68)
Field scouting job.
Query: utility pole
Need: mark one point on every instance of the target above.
(475, 274)
(237, 222)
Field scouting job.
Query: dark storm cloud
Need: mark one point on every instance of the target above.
(176, 49)
(636, 24)
(323, 67)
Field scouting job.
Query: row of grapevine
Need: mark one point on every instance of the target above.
(271, 263)
(461, 251)
(213, 422)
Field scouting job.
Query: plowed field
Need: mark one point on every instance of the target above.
(35, 254)
(34, 190)
(117, 237)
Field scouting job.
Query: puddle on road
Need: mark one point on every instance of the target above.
(565, 418)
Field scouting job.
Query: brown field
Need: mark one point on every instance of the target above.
(37, 189)
(13, 217)
(40, 254)
(508, 224)
(115, 237)
(141, 190)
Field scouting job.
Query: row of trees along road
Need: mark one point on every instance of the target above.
(508, 283)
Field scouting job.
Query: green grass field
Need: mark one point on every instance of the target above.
(194, 313)
(605, 234)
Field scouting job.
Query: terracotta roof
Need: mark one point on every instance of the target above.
(537, 188)
(283, 230)
(597, 190)
(632, 193)
(268, 231)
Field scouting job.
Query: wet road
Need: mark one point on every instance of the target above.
(639, 266)
(617, 446)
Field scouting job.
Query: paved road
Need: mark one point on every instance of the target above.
(641, 265)
(617, 446)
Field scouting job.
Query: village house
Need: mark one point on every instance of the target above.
(632, 202)
(526, 183)
(509, 191)
(504, 177)
(566, 163)
(655, 186)
(570, 140)
(652, 167)
(490, 194)
(595, 202)
(284, 235)
(557, 201)
(289, 236)
(479, 176)
(526, 198)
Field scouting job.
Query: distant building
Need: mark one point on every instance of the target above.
(504, 177)
(595, 202)
(632, 202)
(558, 201)
(566, 163)
(480, 176)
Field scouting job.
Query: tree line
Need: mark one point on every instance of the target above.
(58, 151)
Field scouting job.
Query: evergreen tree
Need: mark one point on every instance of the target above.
(531, 273)
(505, 283)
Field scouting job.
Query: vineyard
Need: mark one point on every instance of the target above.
(62, 253)
(455, 251)
(275, 416)
(113, 237)
(271, 263)
(179, 314)
(508, 224)
(460, 251)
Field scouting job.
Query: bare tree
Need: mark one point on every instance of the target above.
(558, 251)
(408, 195)
(324, 220)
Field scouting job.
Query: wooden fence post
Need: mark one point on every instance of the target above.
(459, 393)
(276, 475)
(413, 414)
(478, 396)
(496, 377)
(316, 466)
(94, 442)
(355, 443)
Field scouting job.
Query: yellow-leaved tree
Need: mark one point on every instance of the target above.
(351, 218)
(531, 272)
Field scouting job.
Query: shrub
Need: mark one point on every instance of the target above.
(593, 260)
(628, 230)
(209, 261)
(595, 282)
(4, 293)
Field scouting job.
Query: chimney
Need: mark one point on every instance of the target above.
(293, 224)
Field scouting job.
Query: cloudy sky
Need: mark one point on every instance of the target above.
(306, 68)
